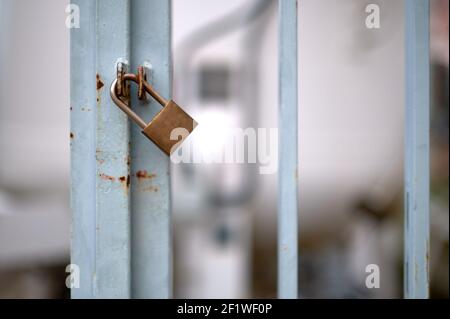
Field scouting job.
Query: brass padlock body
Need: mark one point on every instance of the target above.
(169, 118)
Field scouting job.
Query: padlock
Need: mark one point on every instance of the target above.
(160, 128)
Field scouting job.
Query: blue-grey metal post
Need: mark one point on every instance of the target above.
(150, 168)
(287, 148)
(417, 148)
(82, 142)
(100, 152)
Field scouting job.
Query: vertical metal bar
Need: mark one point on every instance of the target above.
(150, 178)
(287, 182)
(99, 153)
(112, 277)
(417, 176)
(82, 142)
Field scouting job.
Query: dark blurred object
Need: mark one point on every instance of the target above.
(46, 282)
(439, 257)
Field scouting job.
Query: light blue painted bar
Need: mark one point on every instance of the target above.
(112, 266)
(82, 142)
(417, 148)
(151, 231)
(287, 148)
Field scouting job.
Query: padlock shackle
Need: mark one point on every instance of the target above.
(128, 111)
(154, 94)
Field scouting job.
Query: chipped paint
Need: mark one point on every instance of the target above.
(99, 82)
(99, 85)
(125, 180)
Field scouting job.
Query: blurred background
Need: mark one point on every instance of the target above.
(351, 112)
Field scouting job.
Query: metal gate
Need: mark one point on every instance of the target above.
(116, 262)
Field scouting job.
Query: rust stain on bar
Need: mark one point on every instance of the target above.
(125, 180)
(143, 174)
(107, 177)
(99, 82)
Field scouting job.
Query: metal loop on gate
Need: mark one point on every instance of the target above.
(120, 91)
